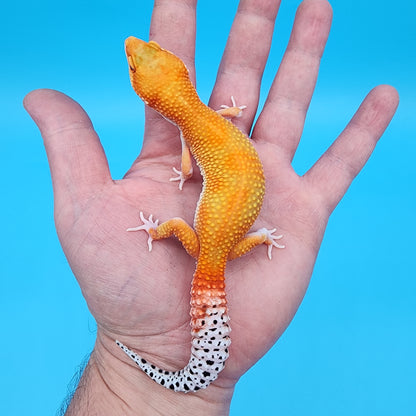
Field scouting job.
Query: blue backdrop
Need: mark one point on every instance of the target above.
(351, 348)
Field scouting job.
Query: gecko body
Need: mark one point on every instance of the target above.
(230, 201)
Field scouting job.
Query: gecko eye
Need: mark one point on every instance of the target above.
(131, 64)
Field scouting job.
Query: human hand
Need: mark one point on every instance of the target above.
(142, 298)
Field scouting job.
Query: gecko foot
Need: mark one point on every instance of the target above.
(271, 240)
(146, 226)
(231, 111)
(181, 178)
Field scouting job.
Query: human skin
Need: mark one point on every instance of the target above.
(142, 298)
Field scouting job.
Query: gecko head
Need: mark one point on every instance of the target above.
(155, 73)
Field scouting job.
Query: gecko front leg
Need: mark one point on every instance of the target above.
(186, 170)
(233, 111)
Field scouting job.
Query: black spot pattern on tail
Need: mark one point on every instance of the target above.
(209, 350)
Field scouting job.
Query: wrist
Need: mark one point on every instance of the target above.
(112, 386)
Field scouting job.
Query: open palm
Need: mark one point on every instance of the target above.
(142, 298)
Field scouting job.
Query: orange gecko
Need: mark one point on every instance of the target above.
(230, 201)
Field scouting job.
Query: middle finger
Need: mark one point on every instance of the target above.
(282, 119)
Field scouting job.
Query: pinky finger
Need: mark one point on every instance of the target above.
(333, 173)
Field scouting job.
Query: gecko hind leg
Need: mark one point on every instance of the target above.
(254, 239)
(175, 226)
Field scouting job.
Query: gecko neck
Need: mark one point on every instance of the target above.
(195, 120)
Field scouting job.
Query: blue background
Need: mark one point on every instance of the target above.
(350, 350)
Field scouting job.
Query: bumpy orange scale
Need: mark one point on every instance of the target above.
(230, 201)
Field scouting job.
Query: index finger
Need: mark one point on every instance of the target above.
(173, 26)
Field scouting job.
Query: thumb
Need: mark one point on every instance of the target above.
(76, 158)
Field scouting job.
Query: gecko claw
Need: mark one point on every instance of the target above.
(146, 226)
(271, 240)
(181, 178)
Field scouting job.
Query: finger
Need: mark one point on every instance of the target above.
(339, 165)
(173, 26)
(283, 116)
(76, 158)
(245, 57)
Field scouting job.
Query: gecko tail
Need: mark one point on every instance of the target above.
(209, 352)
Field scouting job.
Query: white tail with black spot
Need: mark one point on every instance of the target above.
(209, 352)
